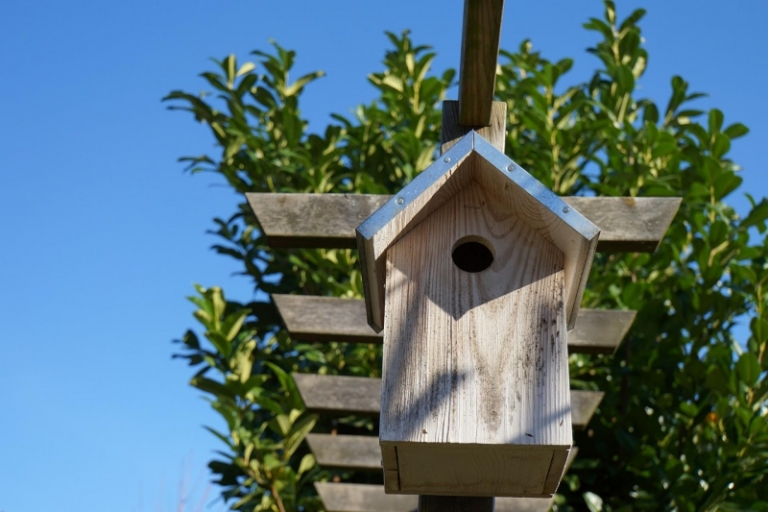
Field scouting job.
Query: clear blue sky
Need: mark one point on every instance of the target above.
(102, 234)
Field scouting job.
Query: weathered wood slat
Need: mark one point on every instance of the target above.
(371, 498)
(347, 452)
(479, 56)
(311, 318)
(329, 220)
(342, 497)
(361, 395)
(363, 498)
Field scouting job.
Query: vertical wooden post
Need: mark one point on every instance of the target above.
(479, 57)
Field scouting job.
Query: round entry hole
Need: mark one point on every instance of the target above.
(472, 254)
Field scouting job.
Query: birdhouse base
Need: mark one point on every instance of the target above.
(472, 469)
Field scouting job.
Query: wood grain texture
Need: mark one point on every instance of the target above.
(329, 220)
(312, 220)
(342, 497)
(474, 470)
(548, 215)
(339, 394)
(475, 358)
(479, 56)
(356, 452)
(343, 395)
(312, 318)
(363, 498)
(628, 224)
(452, 131)
(475, 365)
(414, 203)
(348, 452)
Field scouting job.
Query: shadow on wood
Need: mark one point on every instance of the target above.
(311, 318)
(342, 395)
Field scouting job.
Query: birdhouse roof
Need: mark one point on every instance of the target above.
(475, 159)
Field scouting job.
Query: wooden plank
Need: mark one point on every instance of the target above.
(312, 318)
(347, 452)
(479, 57)
(343, 395)
(363, 498)
(628, 224)
(312, 220)
(342, 497)
(452, 131)
(339, 394)
(329, 220)
(583, 407)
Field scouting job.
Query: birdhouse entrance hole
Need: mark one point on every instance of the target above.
(472, 254)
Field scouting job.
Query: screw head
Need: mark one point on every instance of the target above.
(566, 209)
(511, 167)
(400, 200)
(446, 159)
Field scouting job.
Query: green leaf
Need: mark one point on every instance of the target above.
(246, 68)
(736, 130)
(757, 215)
(715, 121)
(717, 380)
(748, 368)
(298, 432)
(593, 501)
(307, 462)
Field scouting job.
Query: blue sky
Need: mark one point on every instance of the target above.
(103, 233)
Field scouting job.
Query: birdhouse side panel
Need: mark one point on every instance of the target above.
(475, 357)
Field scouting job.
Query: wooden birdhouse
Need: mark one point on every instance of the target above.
(475, 272)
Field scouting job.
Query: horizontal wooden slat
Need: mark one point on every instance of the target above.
(310, 318)
(361, 395)
(353, 452)
(363, 498)
(329, 220)
(347, 452)
(371, 498)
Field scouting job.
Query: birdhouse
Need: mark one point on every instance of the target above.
(475, 272)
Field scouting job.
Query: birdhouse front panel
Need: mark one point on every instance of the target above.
(475, 397)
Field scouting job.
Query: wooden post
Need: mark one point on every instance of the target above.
(479, 54)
